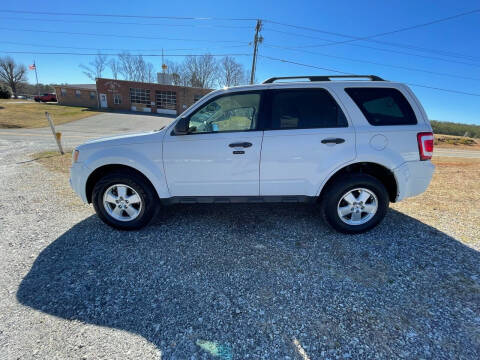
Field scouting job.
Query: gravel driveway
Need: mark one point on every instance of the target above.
(223, 282)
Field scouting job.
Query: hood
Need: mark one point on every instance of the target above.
(136, 138)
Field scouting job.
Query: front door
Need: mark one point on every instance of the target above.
(103, 100)
(308, 137)
(220, 155)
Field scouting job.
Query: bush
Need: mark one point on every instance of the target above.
(4, 93)
(455, 141)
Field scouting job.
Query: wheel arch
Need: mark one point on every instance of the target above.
(382, 173)
(103, 170)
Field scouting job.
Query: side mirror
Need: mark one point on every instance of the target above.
(181, 127)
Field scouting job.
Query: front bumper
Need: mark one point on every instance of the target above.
(78, 179)
(413, 178)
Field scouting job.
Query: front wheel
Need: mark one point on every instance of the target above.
(124, 201)
(354, 203)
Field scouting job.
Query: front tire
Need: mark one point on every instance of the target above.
(124, 200)
(354, 203)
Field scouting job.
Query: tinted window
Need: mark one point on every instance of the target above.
(227, 113)
(305, 109)
(383, 106)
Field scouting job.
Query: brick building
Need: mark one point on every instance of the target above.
(146, 97)
(77, 95)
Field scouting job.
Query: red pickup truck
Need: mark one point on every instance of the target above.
(45, 97)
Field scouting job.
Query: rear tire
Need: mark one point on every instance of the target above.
(354, 203)
(124, 200)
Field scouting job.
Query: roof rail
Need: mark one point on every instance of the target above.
(323, 78)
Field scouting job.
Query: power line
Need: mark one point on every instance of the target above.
(306, 65)
(122, 49)
(377, 48)
(402, 46)
(352, 38)
(383, 33)
(132, 23)
(123, 36)
(374, 63)
(112, 54)
(345, 73)
(413, 26)
(125, 16)
(368, 38)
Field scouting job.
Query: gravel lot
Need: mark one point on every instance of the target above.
(225, 282)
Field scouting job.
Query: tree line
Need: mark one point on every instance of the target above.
(204, 71)
(451, 128)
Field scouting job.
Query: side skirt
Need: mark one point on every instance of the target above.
(237, 199)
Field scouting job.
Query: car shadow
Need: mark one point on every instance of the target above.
(266, 281)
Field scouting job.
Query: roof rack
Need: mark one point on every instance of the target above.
(323, 78)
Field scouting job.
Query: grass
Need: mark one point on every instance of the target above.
(54, 161)
(452, 198)
(29, 114)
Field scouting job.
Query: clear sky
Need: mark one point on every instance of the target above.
(447, 53)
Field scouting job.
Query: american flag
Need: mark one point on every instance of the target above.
(32, 67)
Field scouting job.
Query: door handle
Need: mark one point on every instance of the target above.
(240, 144)
(333, 141)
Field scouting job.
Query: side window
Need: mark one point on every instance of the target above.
(305, 109)
(227, 113)
(383, 106)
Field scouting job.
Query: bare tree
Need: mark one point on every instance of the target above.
(231, 73)
(201, 71)
(12, 74)
(150, 72)
(135, 68)
(114, 65)
(96, 67)
(144, 70)
(177, 72)
(127, 66)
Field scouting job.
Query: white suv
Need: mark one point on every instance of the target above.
(351, 146)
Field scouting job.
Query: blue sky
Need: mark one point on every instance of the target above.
(455, 44)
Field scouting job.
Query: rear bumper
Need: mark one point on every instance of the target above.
(78, 179)
(413, 178)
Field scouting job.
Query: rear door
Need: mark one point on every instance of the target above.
(307, 137)
(220, 155)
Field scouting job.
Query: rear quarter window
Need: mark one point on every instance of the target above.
(383, 106)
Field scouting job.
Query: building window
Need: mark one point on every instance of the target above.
(197, 97)
(63, 91)
(117, 99)
(140, 96)
(166, 100)
(78, 93)
(93, 95)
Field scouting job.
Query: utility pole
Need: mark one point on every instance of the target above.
(256, 40)
(36, 77)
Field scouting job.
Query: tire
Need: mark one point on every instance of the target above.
(336, 200)
(118, 210)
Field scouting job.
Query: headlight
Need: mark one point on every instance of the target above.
(75, 156)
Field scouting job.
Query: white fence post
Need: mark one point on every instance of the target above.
(57, 136)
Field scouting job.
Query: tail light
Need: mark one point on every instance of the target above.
(425, 145)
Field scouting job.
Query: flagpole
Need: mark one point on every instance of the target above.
(36, 77)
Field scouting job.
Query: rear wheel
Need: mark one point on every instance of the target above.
(124, 200)
(354, 203)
